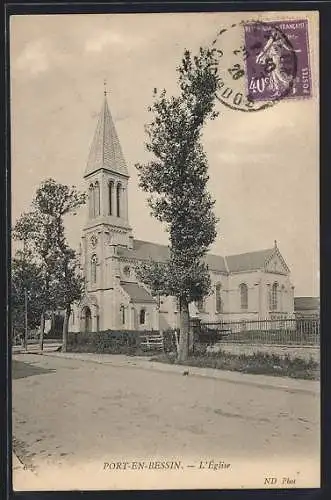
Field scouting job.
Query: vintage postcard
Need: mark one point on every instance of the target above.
(165, 251)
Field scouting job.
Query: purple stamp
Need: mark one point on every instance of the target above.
(277, 60)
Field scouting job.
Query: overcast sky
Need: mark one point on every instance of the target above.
(264, 166)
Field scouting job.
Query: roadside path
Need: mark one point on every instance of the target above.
(142, 362)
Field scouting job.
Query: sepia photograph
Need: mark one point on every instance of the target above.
(165, 294)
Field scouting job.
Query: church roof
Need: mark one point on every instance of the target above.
(106, 151)
(145, 250)
(137, 293)
(249, 261)
(216, 263)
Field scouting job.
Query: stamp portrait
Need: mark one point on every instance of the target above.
(277, 64)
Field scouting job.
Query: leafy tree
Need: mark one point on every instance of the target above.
(26, 280)
(176, 180)
(36, 232)
(43, 232)
(55, 201)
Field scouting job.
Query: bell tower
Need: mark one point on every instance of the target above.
(107, 231)
(107, 177)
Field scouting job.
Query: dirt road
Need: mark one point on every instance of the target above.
(71, 417)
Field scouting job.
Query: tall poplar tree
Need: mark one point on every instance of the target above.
(176, 180)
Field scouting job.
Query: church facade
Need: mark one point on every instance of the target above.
(249, 286)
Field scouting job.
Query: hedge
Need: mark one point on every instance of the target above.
(111, 341)
(108, 341)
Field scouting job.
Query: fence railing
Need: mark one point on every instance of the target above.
(266, 331)
(151, 341)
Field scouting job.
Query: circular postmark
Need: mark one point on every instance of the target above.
(257, 65)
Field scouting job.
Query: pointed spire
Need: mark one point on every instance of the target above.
(106, 151)
(275, 243)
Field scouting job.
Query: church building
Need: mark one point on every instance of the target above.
(248, 286)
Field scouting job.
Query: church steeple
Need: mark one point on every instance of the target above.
(107, 180)
(106, 152)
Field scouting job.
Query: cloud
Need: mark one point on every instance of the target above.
(109, 38)
(33, 58)
(38, 57)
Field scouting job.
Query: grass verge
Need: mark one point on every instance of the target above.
(257, 363)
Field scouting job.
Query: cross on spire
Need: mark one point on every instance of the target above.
(105, 91)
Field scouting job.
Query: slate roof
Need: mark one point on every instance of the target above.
(145, 250)
(249, 261)
(216, 263)
(106, 151)
(306, 303)
(137, 293)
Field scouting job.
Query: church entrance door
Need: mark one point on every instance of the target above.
(87, 319)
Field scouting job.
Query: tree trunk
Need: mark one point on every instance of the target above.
(190, 342)
(184, 331)
(42, 329)
(65, 329)
(52, 331)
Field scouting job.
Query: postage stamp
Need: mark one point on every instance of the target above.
(277, 62)
(263, 63)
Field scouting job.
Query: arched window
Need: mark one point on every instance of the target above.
(243, 296)
(91, 201)
(122, 309)
(118, 200)
(94, 269)
(110, 197)
(269, 296)
(96, 199)
(142, 316)
(218, 298)
(282, 298)
(274, 297)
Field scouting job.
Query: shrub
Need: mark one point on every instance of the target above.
(108, 342)
(169, 341)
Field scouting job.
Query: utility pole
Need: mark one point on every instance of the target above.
(25, 302)
(26, 319)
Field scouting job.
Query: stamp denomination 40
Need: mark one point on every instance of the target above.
(262, 63)
(277, 65)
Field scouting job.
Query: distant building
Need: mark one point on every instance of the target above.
(249, 286)
(306, 307)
